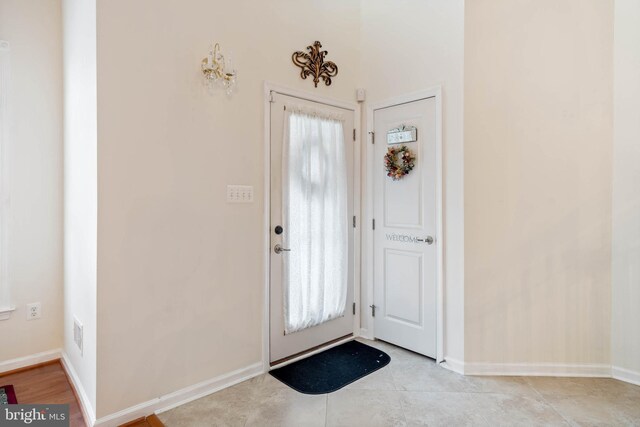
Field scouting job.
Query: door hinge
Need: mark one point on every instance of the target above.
(354, 134)
(373, 137)
(373, 224)
(354, 221)
(354, 308)
(373, 310)
(271, 99)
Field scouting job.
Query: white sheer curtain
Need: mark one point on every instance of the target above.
(315, 220)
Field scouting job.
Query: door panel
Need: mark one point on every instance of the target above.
(284, 345)
(403, 275)
(403, 202)
(405, 279)
(402, 211)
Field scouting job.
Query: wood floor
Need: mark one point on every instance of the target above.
(150, 421)
(45, 383)
(48, 383)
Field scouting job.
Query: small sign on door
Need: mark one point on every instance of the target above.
(402, 134)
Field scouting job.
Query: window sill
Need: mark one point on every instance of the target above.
(5, 313)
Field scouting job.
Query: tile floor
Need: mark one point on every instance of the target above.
(412, 390)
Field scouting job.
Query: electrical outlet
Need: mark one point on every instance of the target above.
(77, 333)
(34, 311)
(240, 193)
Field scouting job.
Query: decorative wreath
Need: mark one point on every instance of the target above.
(407, 162)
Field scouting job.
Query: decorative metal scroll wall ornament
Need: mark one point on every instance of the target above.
(402, 134)
(312, 64)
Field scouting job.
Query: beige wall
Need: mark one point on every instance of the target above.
(625, 350)
(80, 168)
(34, 158)
(180, 271)
(538, 153)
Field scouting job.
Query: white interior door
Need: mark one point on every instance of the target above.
(405, 256)
(312, 237)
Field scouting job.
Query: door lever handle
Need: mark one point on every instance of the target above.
(279, 249)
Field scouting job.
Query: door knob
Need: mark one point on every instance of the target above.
(279, 249)
(428, 240)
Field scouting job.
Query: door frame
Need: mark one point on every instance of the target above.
(357, 211)
(368, 214)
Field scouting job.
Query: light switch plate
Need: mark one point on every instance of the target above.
(240, 193)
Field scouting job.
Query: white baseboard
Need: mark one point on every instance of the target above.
(626, 375)
(180, 397)
(34, 359)
(538, 369)
(364, 333)
(454, 365)
(529, 369)
(88, 412)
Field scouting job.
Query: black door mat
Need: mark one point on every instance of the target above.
(332, 369)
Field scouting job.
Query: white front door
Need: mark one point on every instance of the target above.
(405, 210)
(312, 236)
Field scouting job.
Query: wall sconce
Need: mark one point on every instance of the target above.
(218, 72)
